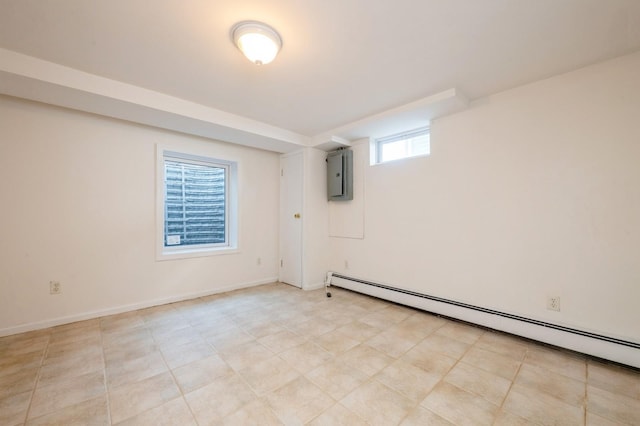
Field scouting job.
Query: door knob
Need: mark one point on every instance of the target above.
(297, 215)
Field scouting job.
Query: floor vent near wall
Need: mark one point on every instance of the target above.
(607, 347)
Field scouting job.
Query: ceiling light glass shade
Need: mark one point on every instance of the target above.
(259, 42)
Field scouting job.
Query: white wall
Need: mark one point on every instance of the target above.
(78, 206)
(315, 259)
(530, 193)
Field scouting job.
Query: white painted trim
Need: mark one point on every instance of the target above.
(131, 307)
(588, 345)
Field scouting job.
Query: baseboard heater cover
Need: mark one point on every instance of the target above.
(607, 347)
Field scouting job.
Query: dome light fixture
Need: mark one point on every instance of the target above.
(259, 42)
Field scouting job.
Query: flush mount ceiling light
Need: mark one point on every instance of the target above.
(259, 42)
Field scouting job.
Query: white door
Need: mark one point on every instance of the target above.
(291, 187)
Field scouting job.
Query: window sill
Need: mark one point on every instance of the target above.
(191, 253)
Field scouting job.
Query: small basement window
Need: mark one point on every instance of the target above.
(198, 197)
(403, 145)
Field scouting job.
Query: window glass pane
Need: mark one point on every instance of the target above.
(402, 146)
(195, 204)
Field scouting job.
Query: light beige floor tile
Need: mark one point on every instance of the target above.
(338, 415)
(212, 328)
(564, 388)
(134, 370)
(423, 322)
(311, 328)
(335, 343)
(336, 378)
(170, 325)
(359, 331)
(64, 393)
(558, 361)
(541, 408)
(305, 357)
(281, 341)
(421, 416)
(392, 343)
(129, 351)
(268, 375)
(462, 332)
(134, 398)
(72, 350)
(504, 344)
(176, 337)
(229, 339)
(220, 398)
(176, 356)
(492, 362)
(377, 404)
(66, 368)
(366, 359)
(595, 420)
(507, 419)
(172, 413)
(78, 336)
(93, 412)
(137, 336)
(444, 345)
(121, 322)
(489, 386)
(254, 413)
(246, 355)
(612, 378)
(611, 406)
(408, 380)
(13, 409)
(424, 357)
(384, 318)
(459, 406)
(200, 373)
(24, 346)
(261, 329)
(17, 363)
(298, 401)
(18, 382)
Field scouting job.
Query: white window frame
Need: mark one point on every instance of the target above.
(231, 211)
(377, 144)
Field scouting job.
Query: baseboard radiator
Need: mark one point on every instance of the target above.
(610, 348)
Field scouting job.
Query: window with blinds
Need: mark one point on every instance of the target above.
(195, 203)
(402, 145)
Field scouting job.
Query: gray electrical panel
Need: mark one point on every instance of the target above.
(340, 175)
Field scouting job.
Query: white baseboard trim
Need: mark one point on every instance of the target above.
(602, 346)
(126, 308)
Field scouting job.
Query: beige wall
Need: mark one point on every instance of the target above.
(78, 206)
(530, 193)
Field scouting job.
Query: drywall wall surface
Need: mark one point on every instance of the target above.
(530, 193)
(316, 223)
(78, 207)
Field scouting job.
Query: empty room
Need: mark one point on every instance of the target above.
(320, 213)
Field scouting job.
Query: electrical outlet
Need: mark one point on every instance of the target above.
(259, 261)
(553, 303)
(55, 287)
(346, 264)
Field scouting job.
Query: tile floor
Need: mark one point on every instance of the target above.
(278, 355)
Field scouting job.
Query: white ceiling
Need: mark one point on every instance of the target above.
(342, 61)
